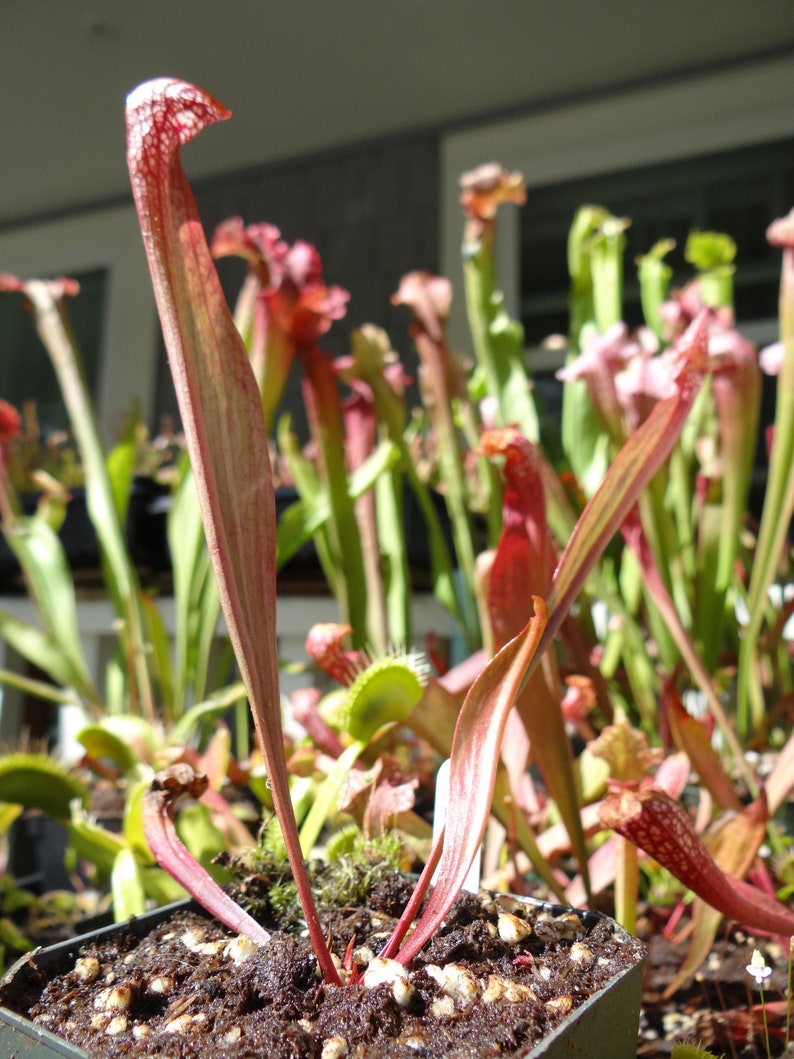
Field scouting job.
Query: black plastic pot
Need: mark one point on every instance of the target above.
(145, 532)
(36, 853)
(604, 1025)
(77, 536)
(147, 523)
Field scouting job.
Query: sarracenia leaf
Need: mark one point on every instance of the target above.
(59, 651)
(46, 654)
(734, 848)
(690, 734)
(630, 471)
(121, 577)
(652, 579)
(222, 417)
(522, 565)
(195, 593)
(475, 753)
(661, 826)
(167, 848)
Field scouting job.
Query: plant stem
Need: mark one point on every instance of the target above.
(59, 341)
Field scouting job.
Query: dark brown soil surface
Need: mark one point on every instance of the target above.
(476, 990)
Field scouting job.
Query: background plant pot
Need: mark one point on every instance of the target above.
(604, 1025)
(147, 523)
(77, 536)
(36, 852)
(146, 532)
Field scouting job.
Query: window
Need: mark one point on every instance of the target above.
(613, 138)
(114, 315)
(738, 192)
(25, 370)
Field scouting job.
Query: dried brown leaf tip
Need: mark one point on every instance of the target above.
(159, 803)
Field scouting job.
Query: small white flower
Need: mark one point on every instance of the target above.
(757, 967)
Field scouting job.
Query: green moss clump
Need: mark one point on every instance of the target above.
(263, 881)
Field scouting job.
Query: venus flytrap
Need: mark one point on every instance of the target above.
(379, 694)
(433, 719)
(713, 255)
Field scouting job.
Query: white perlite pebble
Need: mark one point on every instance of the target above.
(183, 1022)
(560, 1005)
(555, 928)
(239, 949)
(512, 929)
(100, 1000)
(503, 989)
(456, 982)
(416, 1044)
(119, 999)
(390, 972)
(363, 956)
(580, 955)
(334, 1048)
(443, 1007)
(193, 940)
(87, 968)
(116, 1025)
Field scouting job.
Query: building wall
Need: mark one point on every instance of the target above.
(371, 210)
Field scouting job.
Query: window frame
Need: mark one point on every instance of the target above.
(107, 238)
(737, 107)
